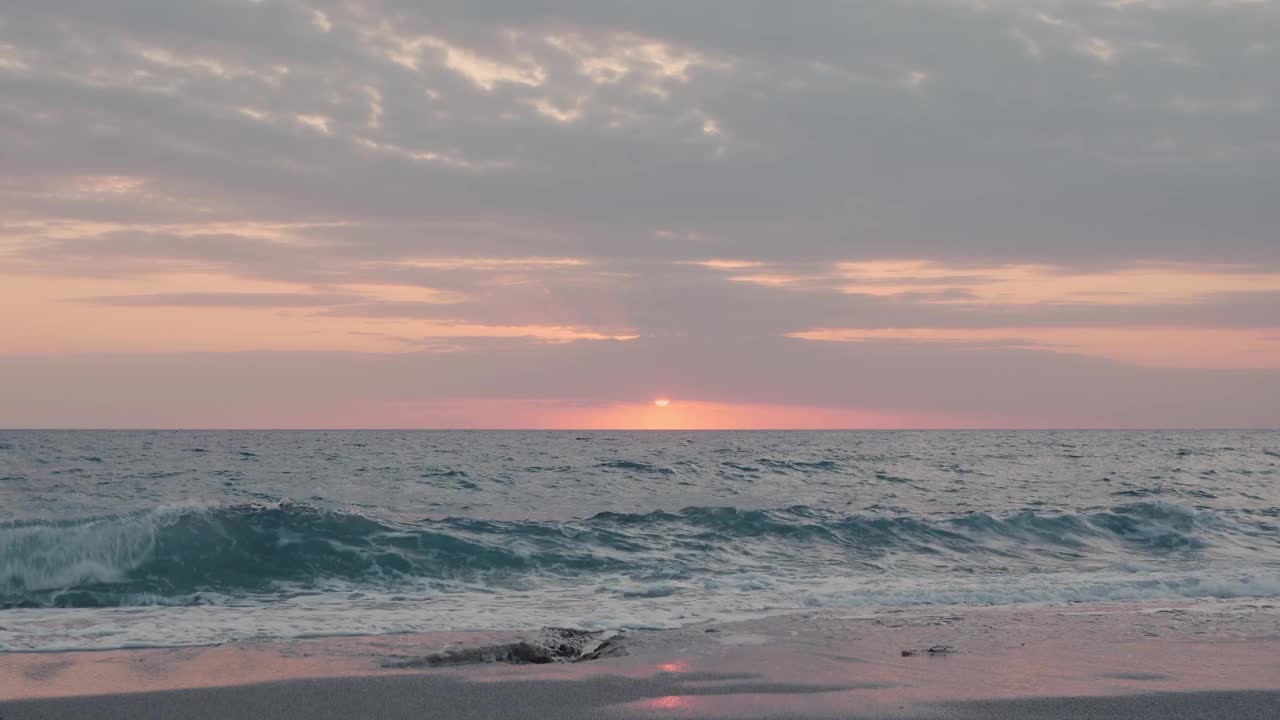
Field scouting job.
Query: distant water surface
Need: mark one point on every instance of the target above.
(112, 539)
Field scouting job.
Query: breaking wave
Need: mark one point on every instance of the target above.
(256, 552)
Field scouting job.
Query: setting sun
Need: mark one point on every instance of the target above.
(662, 402)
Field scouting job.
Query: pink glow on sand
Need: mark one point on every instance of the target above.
(669, 702)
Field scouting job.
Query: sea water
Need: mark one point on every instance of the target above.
(129, 539)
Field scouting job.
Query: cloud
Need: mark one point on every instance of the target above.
(223, 299)
(819, 134)
(1187, 347)
(1048, 185)
(1019, 387)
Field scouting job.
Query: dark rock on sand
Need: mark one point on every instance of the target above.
(555, 645)
(935, 650)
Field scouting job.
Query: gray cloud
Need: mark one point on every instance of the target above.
(1016, 386)
(327, 144)
(224, 299)
(1147, 131)
(649, 298)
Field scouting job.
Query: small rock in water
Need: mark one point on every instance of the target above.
(607, 649)
(909, 653)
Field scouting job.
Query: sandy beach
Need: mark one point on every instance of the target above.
(604, 697)
(1205, 660)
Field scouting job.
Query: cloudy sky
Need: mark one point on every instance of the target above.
(550, 213)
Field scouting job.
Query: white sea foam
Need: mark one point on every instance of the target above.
(225, 619)
(46, 557)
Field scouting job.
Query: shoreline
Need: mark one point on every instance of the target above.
(801, 664)
(607, 698)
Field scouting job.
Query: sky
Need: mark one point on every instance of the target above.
(553, 213)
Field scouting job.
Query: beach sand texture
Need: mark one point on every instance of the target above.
(1204, 660)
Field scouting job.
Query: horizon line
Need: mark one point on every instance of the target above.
(887, 429)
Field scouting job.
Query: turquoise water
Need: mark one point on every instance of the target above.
(111, 539)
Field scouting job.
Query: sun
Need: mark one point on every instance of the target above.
(662, 402)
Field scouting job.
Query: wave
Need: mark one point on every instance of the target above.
(245, 549)
(634, 466)
(186, 555)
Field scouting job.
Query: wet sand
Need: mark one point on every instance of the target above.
(1211, 660)
(394, 698)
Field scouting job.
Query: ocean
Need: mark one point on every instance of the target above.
(147, 539)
